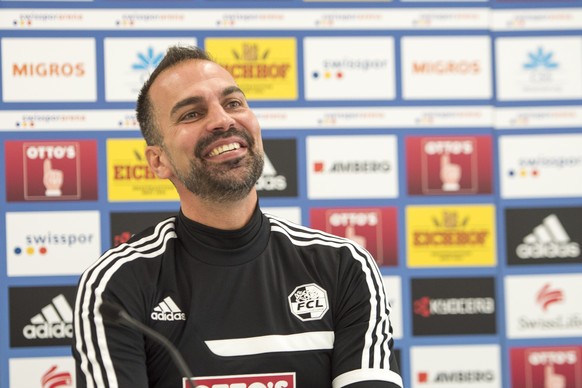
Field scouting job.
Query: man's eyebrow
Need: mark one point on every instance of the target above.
(196, 100)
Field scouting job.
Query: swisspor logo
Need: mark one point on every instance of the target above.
(269, 380)
(308, 302)
(544, 236)
(41, 316)
(279, 177)
(167, 310)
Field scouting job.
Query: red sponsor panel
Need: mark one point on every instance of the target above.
(271, 380)
(374, 228)
(543, 367)
(64, 170)
(449, 165)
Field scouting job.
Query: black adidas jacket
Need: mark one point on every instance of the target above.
(274, 303)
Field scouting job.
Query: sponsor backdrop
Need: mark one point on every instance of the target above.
(443, 136)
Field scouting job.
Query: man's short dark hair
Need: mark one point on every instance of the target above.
(145, 114)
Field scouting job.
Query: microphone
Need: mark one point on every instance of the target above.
(114, 313)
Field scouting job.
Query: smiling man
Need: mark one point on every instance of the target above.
(249, 299)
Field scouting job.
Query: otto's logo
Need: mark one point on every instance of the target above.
(51, 152)
(53, 378)
(308, 302)
(48, 70)
(271, 380)
(554, 357)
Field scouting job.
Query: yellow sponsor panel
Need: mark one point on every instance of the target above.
(129, 177)
(264, 68)
(450, 236)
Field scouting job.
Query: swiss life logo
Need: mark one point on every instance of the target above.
(453, 306)
(41, 316)
(366, 72)
(42, 372)
(543, 306)
(543, 235)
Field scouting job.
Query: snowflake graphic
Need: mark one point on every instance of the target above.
(540, 58)
(148, 61)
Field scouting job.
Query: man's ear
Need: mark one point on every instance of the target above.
(158, 162)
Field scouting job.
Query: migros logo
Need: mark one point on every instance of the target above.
(466, 67)
(43, 70)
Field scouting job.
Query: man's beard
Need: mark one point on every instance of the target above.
(217, 182)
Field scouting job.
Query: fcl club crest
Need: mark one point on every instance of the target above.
(308, 302)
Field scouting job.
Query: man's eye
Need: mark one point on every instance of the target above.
(234, 104)
(191, 116)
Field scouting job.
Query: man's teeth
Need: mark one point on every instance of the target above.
(224, 148)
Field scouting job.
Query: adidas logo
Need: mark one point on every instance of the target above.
(167, 310)
(548, 240)
(269, 179)
(55, 320)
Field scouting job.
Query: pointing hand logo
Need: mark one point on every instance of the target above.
(52, 179)
(450, 174)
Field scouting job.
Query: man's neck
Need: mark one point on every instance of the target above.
(219, 215)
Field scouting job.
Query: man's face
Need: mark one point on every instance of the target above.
(211, 138)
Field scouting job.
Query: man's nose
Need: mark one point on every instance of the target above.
(218, 119)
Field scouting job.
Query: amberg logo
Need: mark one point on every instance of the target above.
(308, 302)
(548, 240)
(54, 321)
(361, 166)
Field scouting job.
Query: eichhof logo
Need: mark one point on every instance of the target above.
(308, 302)
(167, 310)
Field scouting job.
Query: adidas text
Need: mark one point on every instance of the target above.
(548, 250)
(47, 331)
(168, 316)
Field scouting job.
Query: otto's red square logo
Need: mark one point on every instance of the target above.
(274, 380)
(373, 228)
(51, 170)
(448, 165)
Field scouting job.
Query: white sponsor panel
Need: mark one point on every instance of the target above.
(526, 19)
(537, 166)
(442, 68)
(352, 166)
(130, 61)
(543, 306)
(365, 72)
(538, 68)
(538, 117)
(393, 288)
(51, 243)
(291, 213)
(49, 69)
(456, 366)
(42, 372)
